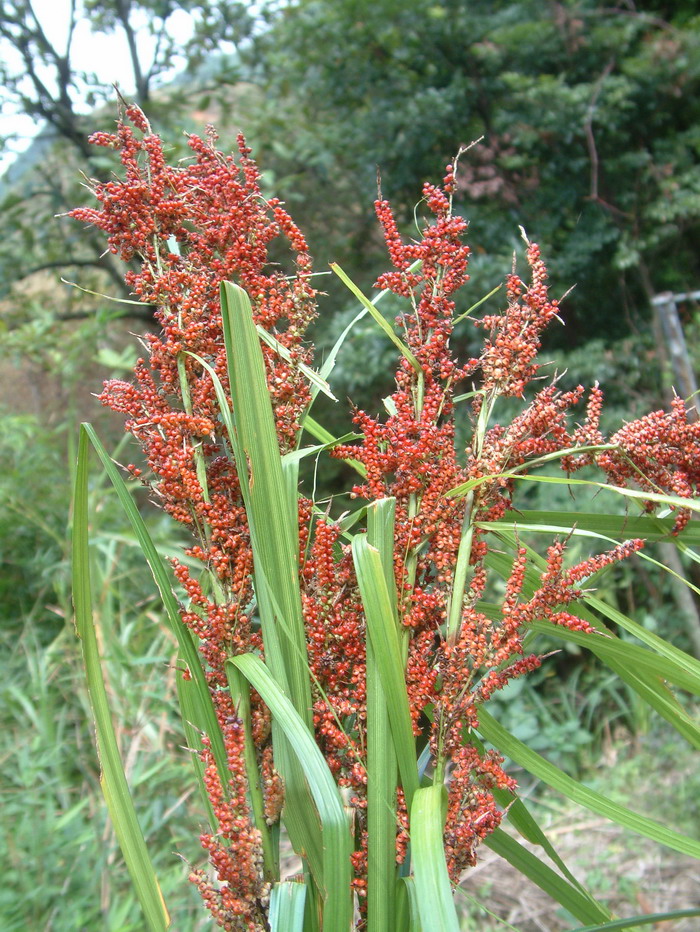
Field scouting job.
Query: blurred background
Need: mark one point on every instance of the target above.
(589, 119)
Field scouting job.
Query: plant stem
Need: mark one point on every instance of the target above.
(459, 585)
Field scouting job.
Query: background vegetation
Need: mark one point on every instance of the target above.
(590, 116)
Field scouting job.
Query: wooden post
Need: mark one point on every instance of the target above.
(666, 309)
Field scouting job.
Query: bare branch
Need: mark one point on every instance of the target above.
(162, 34)
(588, 129)
(142, 90)
(71, 29)
(60, 264)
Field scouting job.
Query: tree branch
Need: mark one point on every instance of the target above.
(61, 264)
(588, 129)
(123, 10)
(134, 314)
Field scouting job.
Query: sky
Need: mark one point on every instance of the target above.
(106, 56)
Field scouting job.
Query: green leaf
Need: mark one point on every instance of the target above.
(481, 301)
(507, 744)
(522, 819)
(382, 625)
(188, 652)
(112, 778)
(561, 523)
(316, 380)
(578, 904)
(329, 364)
(296, 456)
(192, 717)
(407, 915)
(240, 696)
(674, 501)
(690, 664)
(433, 889)
(647, 685)
(644, 920)
(381, 756)
(273, 521)
(520, 471)
(328, 440)
(620, 527)
(336, 836)
(383, 323)
(639, 658)
(287, 901)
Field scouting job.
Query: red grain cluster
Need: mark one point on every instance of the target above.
(507, 360)
(411, 455)
(184, 230)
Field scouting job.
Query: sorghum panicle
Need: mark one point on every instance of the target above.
(192, 226)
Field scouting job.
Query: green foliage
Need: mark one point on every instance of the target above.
(589, 116)
(33, 522)
(590, 119)
(112, 777)
(56, 845)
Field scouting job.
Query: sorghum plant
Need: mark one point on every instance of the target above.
(367, 634)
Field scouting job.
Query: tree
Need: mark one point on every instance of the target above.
(41, 80)
(589, 115)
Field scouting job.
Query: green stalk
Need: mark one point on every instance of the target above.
(240, 694)
(459, 585)
(382, 769)
(200, 465)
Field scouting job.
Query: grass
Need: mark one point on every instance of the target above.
(62, 868)
(657, 773)
(61, 865)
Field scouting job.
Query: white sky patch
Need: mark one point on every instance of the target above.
(106, 57)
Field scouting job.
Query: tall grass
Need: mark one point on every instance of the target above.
(57, 846)
(335, 662)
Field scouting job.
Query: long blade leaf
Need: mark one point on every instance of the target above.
(381, 756)
(645, 920)
(546, 879)
(112, 778)
(621, 527)
(512, 747)
(383, 323)
(287, 902)
(188, 651)
(382, 625)
(433, 890)
(649, 687)
(335, 828)
(624, 652)
(317, 381)
(273, 521)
